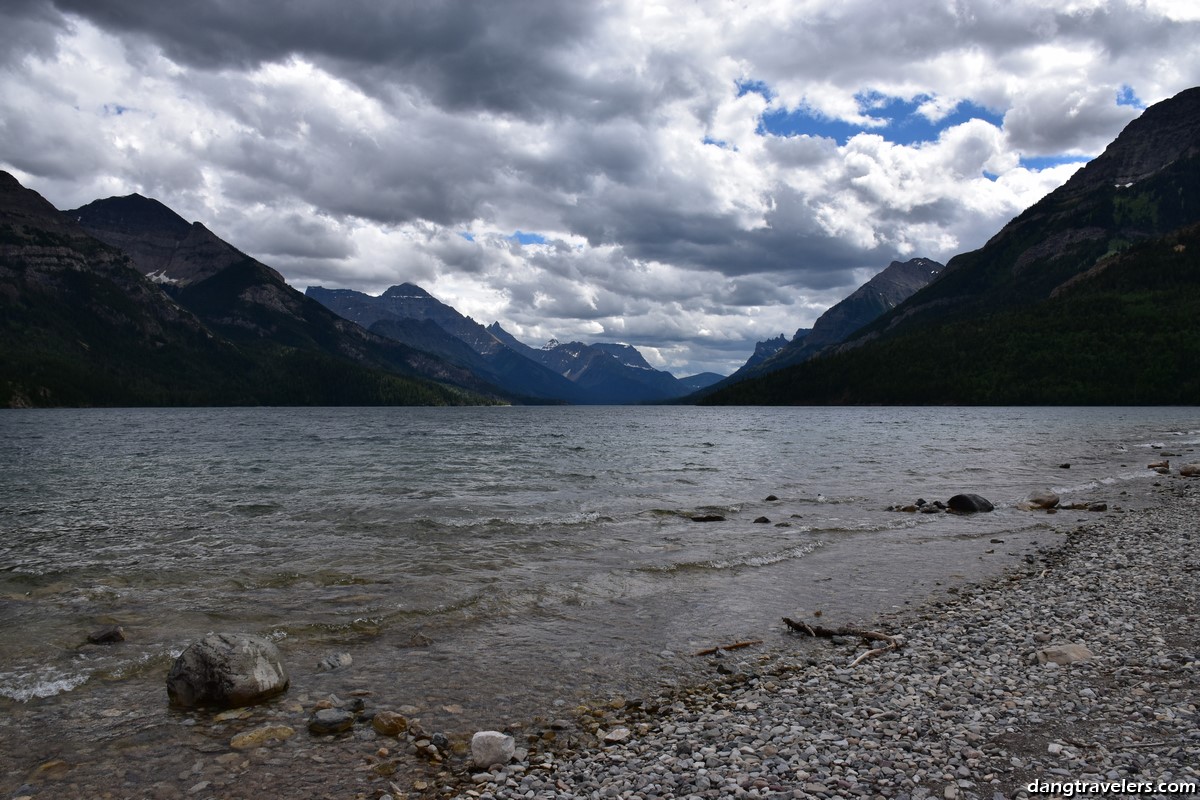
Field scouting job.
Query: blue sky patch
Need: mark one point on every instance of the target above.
(470, 237)
(521, 237)
(904, 125)
(1046, 162)
(114, 109)
(754, 87)
(1127, 97)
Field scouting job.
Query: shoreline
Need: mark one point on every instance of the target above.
(787, 718)
(963, 710)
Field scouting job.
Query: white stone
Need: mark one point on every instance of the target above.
(617, 735)
(491, 747)
(1063, 654)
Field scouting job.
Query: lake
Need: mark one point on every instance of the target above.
(480, 564)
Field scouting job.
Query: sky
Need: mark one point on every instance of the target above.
(686, 177)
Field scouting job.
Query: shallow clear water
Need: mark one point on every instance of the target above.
(502, 558)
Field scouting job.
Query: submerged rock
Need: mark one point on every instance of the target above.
(260, 736)
(389, 723)
(330, 720)
(334, 661)
(969, 504)
(109, 634)
(707, 518)
(226, 670)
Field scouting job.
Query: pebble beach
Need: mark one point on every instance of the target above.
(963, 710)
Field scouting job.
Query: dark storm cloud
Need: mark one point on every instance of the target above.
(28, 26)
(508, 58)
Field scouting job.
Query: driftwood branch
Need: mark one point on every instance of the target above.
(890, 642)
(708, 651)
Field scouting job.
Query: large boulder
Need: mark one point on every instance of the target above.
(968, 504)
(226, 670)
(1190, 470)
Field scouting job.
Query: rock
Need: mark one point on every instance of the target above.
(330, 720)
(1043, 499)
(226, 670)
(259, 736)
(1097, 507)
(1063, 654)
(708, 518)
(491, 747)
(334, 661)
(1064, 466)
(1164, 464)
(761, 520)
(389, 723)
(617, 735)
(968, 504)
(771, 498)
(109, 634)
(1190, 470)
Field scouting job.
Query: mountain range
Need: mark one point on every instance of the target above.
(1089, 296)
(84, 325)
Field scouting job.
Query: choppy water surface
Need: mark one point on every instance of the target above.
(499, 559)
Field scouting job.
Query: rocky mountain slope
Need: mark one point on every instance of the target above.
(883, 292)
(81, 325)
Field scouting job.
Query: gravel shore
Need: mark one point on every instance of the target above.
(963, 710)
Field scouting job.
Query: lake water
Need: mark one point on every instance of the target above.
(483, 563)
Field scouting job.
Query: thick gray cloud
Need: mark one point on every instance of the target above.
(365, 143)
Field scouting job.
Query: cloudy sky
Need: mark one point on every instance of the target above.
(688, 177)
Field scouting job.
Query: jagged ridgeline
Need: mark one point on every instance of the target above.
(81, 324)
(1091, 296)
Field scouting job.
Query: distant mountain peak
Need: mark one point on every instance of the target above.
(407, 291)
(551, 345)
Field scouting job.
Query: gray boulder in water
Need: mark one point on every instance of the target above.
(968, 504)
(226, 670)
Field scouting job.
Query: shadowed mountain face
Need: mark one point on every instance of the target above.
(162, 245)
(1091, 295)
(86, 327)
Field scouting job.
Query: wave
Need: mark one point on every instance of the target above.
(736, 561)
